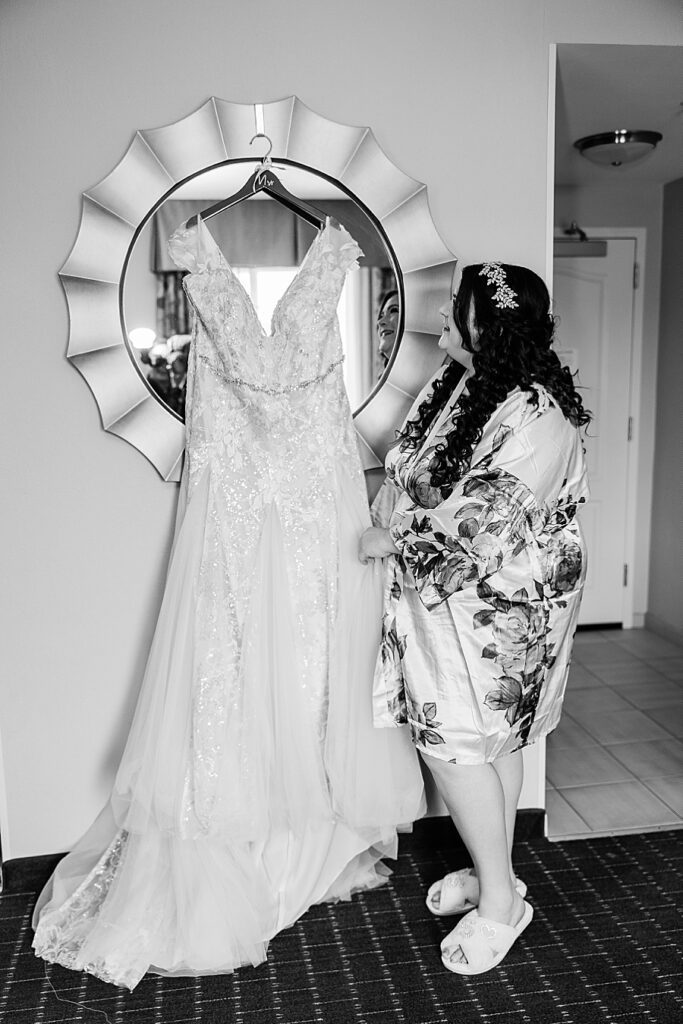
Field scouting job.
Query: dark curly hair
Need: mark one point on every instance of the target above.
(511, 347)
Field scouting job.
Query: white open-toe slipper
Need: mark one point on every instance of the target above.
(484, 942)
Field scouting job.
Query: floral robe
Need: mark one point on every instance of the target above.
(481, 602)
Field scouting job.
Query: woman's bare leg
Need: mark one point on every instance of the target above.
(510, 771)
(476, 800)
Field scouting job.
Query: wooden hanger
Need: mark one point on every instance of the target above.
(265, 180)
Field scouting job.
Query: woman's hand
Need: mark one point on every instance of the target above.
(375, 543)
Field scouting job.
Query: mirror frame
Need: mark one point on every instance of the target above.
(157, 161)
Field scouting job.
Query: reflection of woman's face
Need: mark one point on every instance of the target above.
(387, 325)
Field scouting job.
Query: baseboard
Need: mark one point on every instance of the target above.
(529, 824)
(28, 874)
(587, 627)
(664, 629)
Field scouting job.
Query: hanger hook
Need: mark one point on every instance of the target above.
(262, 135)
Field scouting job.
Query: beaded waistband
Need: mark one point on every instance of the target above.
(286, 389)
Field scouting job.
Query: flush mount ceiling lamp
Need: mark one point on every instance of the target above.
(614, 149)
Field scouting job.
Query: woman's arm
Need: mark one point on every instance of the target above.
(490, 515)
(383, 506)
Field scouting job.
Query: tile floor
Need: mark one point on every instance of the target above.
(615, 763)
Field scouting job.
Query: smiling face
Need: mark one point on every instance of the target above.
(387, 324)
(451, 338)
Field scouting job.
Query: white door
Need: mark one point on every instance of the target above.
(593, 297)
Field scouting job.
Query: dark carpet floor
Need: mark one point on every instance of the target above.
(605, 947)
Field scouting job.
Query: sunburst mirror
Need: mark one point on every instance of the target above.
(115, 277)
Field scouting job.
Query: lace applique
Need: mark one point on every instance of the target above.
(61, 934)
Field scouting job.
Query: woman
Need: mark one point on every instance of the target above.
(484, 581)
(387, 324)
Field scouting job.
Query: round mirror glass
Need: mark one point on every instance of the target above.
(264, 244)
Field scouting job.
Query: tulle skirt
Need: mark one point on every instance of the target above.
(205, 851)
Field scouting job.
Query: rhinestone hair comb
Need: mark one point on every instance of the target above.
(503, 297)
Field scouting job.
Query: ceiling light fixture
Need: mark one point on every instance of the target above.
(613, 149)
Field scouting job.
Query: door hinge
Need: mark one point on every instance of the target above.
(636, 275)
(629, 434)
(625, 575)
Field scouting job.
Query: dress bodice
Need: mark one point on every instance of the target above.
(301, 343)
(267, 406)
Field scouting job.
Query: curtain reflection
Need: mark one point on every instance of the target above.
(173, 309)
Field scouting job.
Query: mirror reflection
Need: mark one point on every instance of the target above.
(388, 319)
(264, 243)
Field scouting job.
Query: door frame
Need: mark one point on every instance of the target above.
(635, 558)
(641, 449)
(639, 474)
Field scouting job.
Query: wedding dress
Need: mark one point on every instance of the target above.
(253, 783)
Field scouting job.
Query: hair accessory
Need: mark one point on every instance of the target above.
(503, 297)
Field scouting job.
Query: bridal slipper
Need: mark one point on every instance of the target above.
(484, 942)
(452, 897)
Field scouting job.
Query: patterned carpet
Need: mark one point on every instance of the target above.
(605, 947)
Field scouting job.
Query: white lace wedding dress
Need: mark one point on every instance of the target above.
(253, 783)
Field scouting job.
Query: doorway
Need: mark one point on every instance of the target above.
(615, 764)
(593, 299)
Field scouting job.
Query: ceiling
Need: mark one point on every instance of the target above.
(601, 88)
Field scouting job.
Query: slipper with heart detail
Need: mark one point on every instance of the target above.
(483, 942)
(458, 893)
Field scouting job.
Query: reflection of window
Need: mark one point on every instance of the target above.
(265, 285)
(356, 326)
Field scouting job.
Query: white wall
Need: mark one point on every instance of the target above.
(456, 92)
(665, 609)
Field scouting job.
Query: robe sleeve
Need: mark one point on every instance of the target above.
(384, 504)
(492, 511)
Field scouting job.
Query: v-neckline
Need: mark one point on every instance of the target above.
(201, 227)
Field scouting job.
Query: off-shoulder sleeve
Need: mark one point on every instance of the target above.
(492, 512)
(342, 249)
(184, 248)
